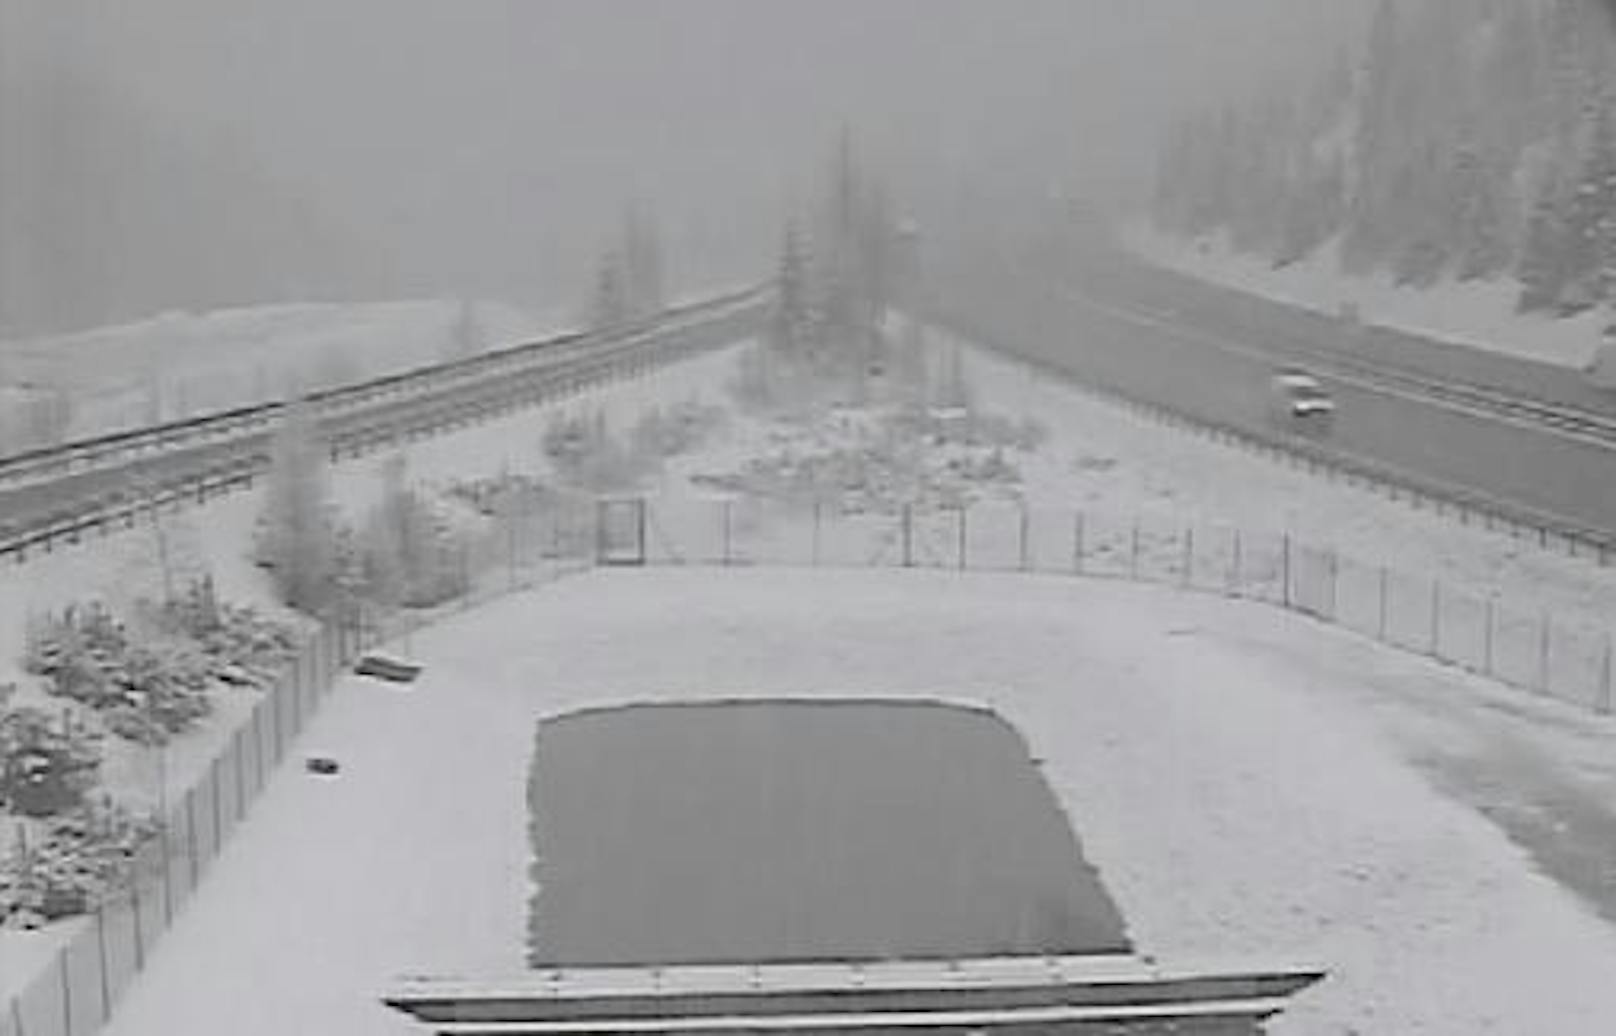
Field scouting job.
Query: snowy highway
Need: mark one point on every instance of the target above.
(1213, 364)
(34, 514)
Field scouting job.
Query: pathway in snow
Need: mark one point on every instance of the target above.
(1243, 780)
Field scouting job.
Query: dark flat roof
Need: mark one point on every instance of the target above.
(768, 831)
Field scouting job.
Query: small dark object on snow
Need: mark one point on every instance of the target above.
(321, 764)
(391, 669)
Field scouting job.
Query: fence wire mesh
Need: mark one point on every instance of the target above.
(99, 954)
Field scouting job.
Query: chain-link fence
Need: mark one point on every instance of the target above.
(1561, 655)
(97, 955)
(525, 543)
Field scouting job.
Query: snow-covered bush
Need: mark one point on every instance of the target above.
(85, 857)
(239, 644)
(151, 690)
(411, 552)
(502, 494)
(681, 429)
(157, 692)
(295, 536)
(47, 764)
(585, 454)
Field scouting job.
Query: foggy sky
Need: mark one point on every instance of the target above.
(488, 145)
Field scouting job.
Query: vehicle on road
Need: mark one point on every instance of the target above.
(1299, 403)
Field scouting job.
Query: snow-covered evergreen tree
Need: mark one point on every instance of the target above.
(611, 308)
(295, 529)
(642, 264)
(1462, 143)
(793, 330)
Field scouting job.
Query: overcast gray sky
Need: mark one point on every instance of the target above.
(488, 144)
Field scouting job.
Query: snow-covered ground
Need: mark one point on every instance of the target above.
(1099, 457)
(1481, 313)
(215, 538)
(183, 364)
(1246, 782)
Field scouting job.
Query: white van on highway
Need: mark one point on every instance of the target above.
(1300, 403)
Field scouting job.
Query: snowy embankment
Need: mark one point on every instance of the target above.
(1235, 773)
(1105, 458)
(181, 365)
(1481, 314)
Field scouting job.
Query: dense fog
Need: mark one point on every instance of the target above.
(192, 153)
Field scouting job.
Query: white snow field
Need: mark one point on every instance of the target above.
(1481, 314)
(1242, 779)
(182, 364)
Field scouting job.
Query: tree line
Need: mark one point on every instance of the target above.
(1464, 139)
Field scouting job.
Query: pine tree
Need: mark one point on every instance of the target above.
(1592, 227)
(1542, 270)
(642, 263)
(295, 526)
(793, 329)
(1480, 247)
(611, 304)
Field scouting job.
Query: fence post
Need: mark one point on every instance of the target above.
(1133, 553)
(908, 522)
(1024, 550)
(728, 506)
(67, 992)
(1487, 635)
(961, 558)
(218, 818)
(140, 924)
(1285, 569)
(1384, 603)
(16, 1015)
(1604, 677)
(1234, 565)
(168, 884)
(1543, 648)
(1189, 556)
(238, 751)
(101, 960)
(190, 835)
(1077, 543)
(1436, 617)
(818, 506)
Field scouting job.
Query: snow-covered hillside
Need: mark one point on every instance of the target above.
(183, 364)
(1483, 314)
(1464, 153)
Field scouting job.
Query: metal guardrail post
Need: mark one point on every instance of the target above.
(67, 992)
(1490, 619)
(1605, 703)
(101, 962)
(1285, 569)
(1545, 646)
(1436, 617)
(1385, 605)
